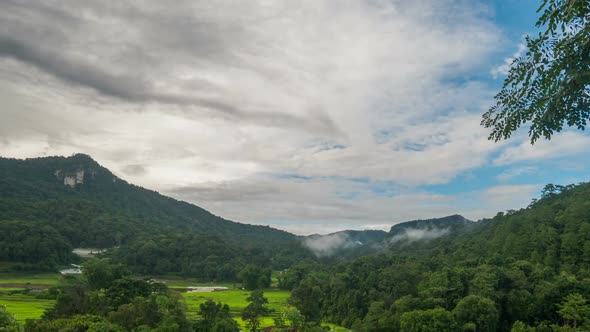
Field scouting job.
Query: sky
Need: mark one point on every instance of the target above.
(311, 116)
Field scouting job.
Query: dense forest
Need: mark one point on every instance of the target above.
(522, 270)
(525, 270)
(50, 205)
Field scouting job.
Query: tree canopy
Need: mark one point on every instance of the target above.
(549, 86)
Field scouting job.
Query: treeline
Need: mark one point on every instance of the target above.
(205, 257)
(526, 270)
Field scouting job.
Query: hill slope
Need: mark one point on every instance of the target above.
(75, 202)
(518, 266)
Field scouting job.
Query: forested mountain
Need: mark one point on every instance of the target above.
(407, 238)
(519, 268)
(50, 205)
(452, 223)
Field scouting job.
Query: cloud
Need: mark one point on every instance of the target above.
(212, 103)
(134, 169)
(504, 68)
(327, 245)
(515, 172)
(416, 234)
(562, 144)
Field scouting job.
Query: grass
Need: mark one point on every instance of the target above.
(24, 306)
(15, 278)
(236, 299)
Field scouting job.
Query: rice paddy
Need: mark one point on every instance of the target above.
(236, 299)
(24, 306)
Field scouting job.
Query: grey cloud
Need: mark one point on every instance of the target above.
(132, 68)
(212, 97)
(225, 192)
(73, 71)
(134, 169)
(134, 89)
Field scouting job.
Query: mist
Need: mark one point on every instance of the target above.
(327, 245)
(415, 234)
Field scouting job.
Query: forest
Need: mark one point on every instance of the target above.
(522, 270)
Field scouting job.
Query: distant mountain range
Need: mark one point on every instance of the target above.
(362, 242)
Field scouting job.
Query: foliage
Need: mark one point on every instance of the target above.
(575, 311)
(89, 323)
(550, 85)
(7, 321)
(255, 310)
(517, 266)
(254, 277)
(477, 311)
(117, 303)
(100, 273)
(432, 320)
(216, 317)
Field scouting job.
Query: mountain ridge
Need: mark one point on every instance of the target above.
(83, 204)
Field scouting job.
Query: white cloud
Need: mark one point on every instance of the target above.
(562, 144)
(213, 102)
(415, 234)
(515, 172)
(504, 68)
(326, 245)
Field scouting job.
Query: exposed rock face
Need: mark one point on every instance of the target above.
(71, 179)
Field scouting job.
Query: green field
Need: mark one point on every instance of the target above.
(27, 306)
(20, 280)
(236, 299)
(24, 306)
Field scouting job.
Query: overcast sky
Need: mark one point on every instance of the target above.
(307, 115)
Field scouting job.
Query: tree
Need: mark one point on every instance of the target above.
(377, 318)
(292, 317)
(7, 321)
(101, 273)
(124, 290)
(306, 297)
(575, 310)
(255, 310)
(216, 317)
(255, 277)
(550, 85)
(478, 312)
(433, 320)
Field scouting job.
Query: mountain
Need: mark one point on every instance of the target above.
(56, 203)
(417, 235)
(429, 228)
(519, 268)
(452, 222)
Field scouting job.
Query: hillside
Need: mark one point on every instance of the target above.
(516, 269)
(56, 203)
(452, 223)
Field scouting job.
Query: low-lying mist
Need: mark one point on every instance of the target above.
(417, 234)
(327, 245)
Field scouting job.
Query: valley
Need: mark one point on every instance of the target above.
(519, 267)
